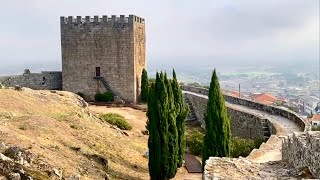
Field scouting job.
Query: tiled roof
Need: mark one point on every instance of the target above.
(264, 98)
(316, 117)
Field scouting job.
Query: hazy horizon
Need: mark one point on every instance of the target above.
(225, 35)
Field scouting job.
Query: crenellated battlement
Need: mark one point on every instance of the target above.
(71, 20)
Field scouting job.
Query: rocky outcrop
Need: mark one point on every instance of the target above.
(302, 150)
(242, 168)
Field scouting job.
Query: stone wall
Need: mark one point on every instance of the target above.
(50, 80)
(243, 124)
(302, 150)
(254, 105)
(115, 44)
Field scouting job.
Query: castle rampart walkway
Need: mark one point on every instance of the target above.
(248, 122)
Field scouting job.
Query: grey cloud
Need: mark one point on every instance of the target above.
(177, 31)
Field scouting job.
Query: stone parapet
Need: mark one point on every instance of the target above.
(302, 150)
(305, 126)
(47, 80)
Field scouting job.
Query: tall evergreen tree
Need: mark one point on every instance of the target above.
(172, 131)
(162, 108)
(182, 112)
(218, 134)
(155, 154)
(144, 86)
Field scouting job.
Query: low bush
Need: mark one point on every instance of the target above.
(315, 128)
(241, 147)
(194, 142)
(80, 94)
(117, 120)
(105, 97)
(238, 147)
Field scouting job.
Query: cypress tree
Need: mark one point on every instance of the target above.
(155, 154)
(218, 134)
(182, 112)
(162, 108)
(172, 131)
(144, 86)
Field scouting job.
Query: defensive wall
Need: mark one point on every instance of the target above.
(47, 80)
(239, 116)
(299, 149)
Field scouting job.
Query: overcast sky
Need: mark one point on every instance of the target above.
(200, 33)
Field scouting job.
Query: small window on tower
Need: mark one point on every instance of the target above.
(44, 79)
(97, 71)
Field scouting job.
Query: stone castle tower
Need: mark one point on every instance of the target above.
(100, 54)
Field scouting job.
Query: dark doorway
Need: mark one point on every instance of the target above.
(97, 71)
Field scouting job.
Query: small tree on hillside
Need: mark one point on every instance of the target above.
(182, 112)
(144, 86)
(218, 134)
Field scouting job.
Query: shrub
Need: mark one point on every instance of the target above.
(315, 128)
(117, 120)
(105, 97)
(241, 147)
(194, 142)
(80, 94)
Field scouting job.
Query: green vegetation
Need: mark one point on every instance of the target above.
(164, 127)
(172, 131)
(80, 94)
(238, 147)
(218, 134)
(144, 86)
(117, 120)
(241, 147)
(315, 128)
(182, 112)
(194, 142)
(154, 145)
(105, 97)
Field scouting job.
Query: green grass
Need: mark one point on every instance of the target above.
(117, 120)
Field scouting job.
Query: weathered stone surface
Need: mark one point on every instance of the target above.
(44, 80)
(19, 155)
(302, 150)
(243, 124)
(241, 168)
(116, 45)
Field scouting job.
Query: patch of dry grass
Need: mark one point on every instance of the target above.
(50, 124)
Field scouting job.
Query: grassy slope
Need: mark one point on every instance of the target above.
(49, 124)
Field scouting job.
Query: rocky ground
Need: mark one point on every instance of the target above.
(65, 140)
(242, 168)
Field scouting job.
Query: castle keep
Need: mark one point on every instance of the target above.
(100, 54)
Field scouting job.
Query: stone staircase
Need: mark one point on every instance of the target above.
(266, 129)
(191, 118)
(107, 85)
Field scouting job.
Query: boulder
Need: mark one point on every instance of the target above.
(22, 156)
(17, 88)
